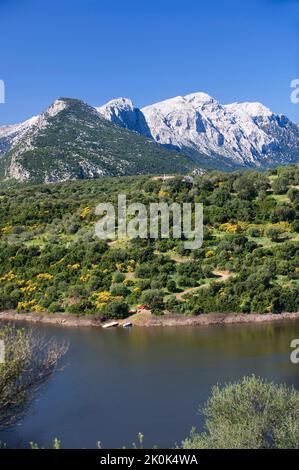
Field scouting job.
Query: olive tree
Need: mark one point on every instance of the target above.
(250, 414)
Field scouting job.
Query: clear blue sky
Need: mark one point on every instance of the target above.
(147, 50)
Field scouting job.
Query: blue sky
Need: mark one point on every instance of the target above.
(97, 50)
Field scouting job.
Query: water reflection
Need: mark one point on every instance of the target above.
(121, 382)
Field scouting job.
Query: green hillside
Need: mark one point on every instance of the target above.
(51, 261)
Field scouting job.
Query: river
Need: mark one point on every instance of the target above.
(118, 382)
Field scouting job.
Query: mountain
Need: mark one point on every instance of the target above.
(10, 135)
(72, 140)
(219, 136)
(123, 113)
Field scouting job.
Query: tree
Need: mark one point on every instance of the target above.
(118, 277)
(171, 286)
(293, 195)
(117, 310)
(280, 185)
(30, 360)
(119, 290)
(273, 233)
(244, 186)
(250, 414)
(154, 299)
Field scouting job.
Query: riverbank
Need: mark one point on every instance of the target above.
(60, 319)
(146, 319)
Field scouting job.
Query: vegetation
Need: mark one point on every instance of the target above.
(50, 259)
(30, 360)
(250, 414)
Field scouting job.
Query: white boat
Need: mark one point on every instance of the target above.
(110, 325)
(127, 325)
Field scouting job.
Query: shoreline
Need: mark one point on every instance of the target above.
(148, 320)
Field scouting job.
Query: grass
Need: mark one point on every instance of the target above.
(281, 198)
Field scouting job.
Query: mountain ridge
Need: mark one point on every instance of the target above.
(71, 140)
(242, 132)
(194, 127)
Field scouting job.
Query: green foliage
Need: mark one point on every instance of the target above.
(273, 233)
(154, 299)
(171, 286)
(250, 414)
(51, 261)
(116, 310)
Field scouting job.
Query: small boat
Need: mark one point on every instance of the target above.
(128, 324)
(110, 325)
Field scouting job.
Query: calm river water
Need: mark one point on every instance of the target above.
(117, 383)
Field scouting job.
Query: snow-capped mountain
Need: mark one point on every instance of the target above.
(10, 135)
(123, 113)
(239, 134)
(72, 140)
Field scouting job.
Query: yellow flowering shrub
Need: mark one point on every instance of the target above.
(8, 277)
(210, 254)
(234, 228)
(282, 226)
(45, 276)
(29, 288)
(163, 193)
(7, 229)
(120, 267)
(85, 212)
(85, 277)
(37, 308)
(26, 305)
(74, 267)
(101, 299)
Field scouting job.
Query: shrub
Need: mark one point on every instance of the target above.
(154, 299)
(250, 414)
(119, 290)
(118, 278)
(171, 286)
(117, 310)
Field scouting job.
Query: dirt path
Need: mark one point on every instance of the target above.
(180, 259)
(221, 275)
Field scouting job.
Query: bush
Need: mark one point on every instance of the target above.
(118, 278)
(154, 299)
(293, 195)
(119, 290)
(54, 307)
(250, 414)
(254, 232)
(171, 286)
(117, 310)
(280, 185)
(273, 233)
